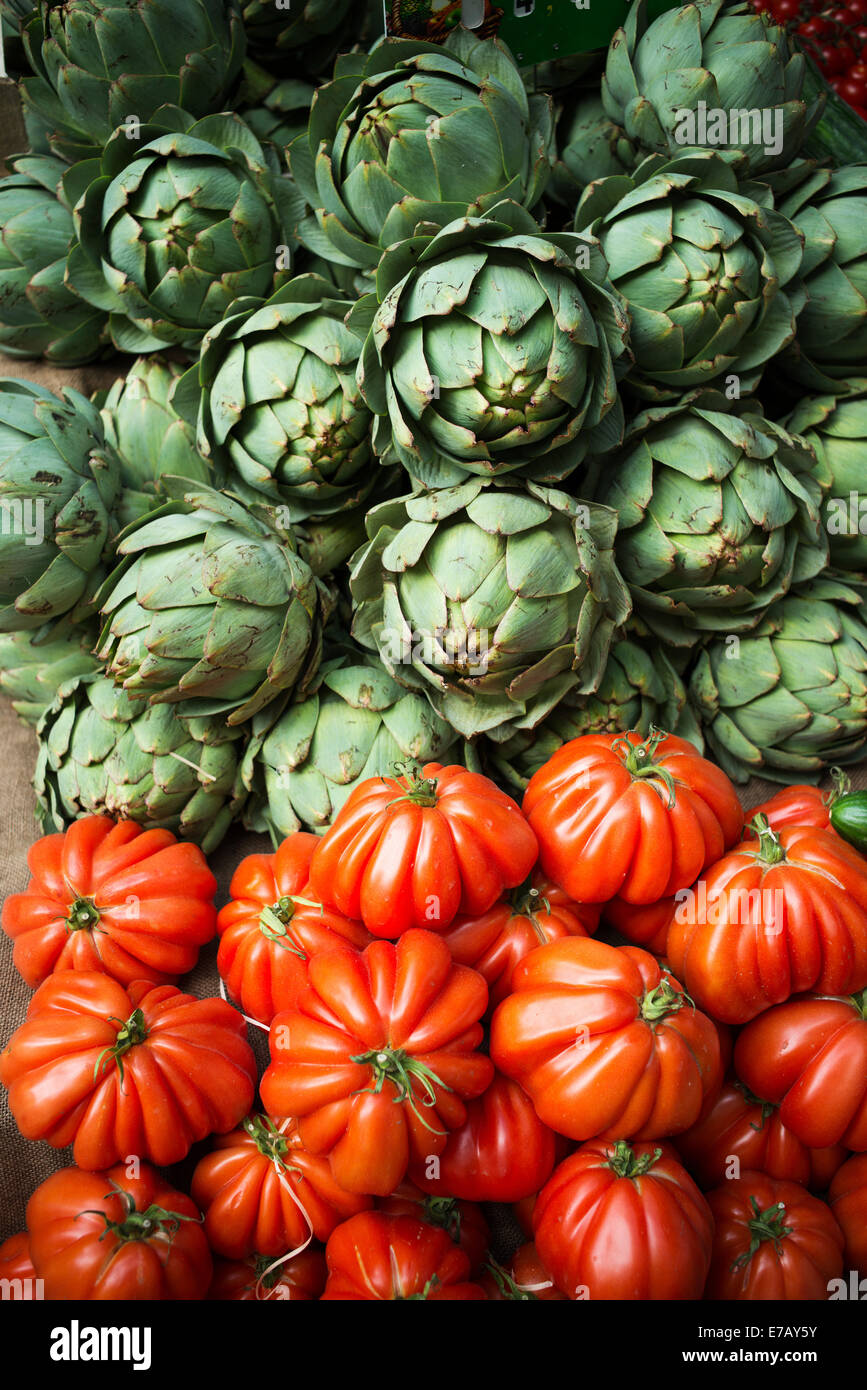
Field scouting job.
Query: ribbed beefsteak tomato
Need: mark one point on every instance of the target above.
(848, 1198)
(605, 1043)
(619, 815)
(377, 1257)
(145, 1071)
(15, 1263)
(780, 914)
(379, 1057)
(110, 896)
(463, 1221)
(810, 1056)
(772, 1240)
(526, 1280)
(646, 925)
(299, 1280)
(624, 1222)
(800, 805)
(96, 1236)
(272, 926)
(415, 850)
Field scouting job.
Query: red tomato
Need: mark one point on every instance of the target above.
(853, 91)
(110, 896)
(742, 1128)
(416, 850)
(99, 1236)
(241, 1186)
(605, 1043)
(772, 1241)
(463, 1221)
(624, 1222)
(272, 926)
(616, 815)
(785, 10)
(796, 806)
(531, 916)
(379, 1057)
(501, 1153)
(146, 1071)
(523, 1213)
(525, 1281)
(16, 1264)
(814, 28)
(810, 1056)
(299, 1280)
(848, 1198)
(374, 1256)
(772, 918)
(645, 926)
(831, 61)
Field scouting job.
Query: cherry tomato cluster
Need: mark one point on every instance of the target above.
(451, 1023)
(834, 36)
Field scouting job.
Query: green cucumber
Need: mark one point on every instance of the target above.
(849, 819)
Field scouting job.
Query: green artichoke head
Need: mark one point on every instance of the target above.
(713, 74)
(589, 146)
(35, 663)
(709, 275)
(495, 601)
(275, 110)
(835, 427)
(492, 347)
(290, 26)
(59, 492)
(414, 132)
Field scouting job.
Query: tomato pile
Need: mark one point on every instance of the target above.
(452, 1023)
(835, 37)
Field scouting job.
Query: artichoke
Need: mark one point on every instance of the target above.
(708, 274)
(59, 490)
(835, 427)
(277, 28)
(720, 513)
(709, 73)
(589, 146)
(415, 132)
(176, 226)
(830, 209)
(790, 699)
(148, 436)
(102, 753)
(39, 315)
(494, 601)
(212, 605)
(34, 664)
(357, 724)
(275, 110)
(492, 347)
(99, 64)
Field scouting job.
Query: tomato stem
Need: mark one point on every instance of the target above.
(132, 1031)
(768, 1106)
(266, 1136)
(527, 901)
(274, 922)
(421, 791)
(507, 1285)
(764, 1225)
(842, 786)
(402, 1070)
(658, 1003)
(83, 915)
(445, 1213)
(770, 849)
(138, 1225)
(638, 761)
(624, 1162)
(432, 1283)
(860, 1002)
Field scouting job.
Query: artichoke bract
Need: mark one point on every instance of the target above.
(59, 492)
(275, 110)
(830, 209)
(836, 428)
(278, 402)
(211, 605)
(100, 63)
(175, 226)
(708, 275)
(590, 146)
(719, 514)
(790, 699)
(102, 753)
(271, 28)
(709, 74)
(34, 664)
(492, 347)
(149, 437)
(39, 314)
(415, 132)
(359, 723)
(495, 602)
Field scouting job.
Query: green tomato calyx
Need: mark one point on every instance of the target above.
(638, 761)
(404, 1073)
(83, 915)
(625, 1163)
(762, 1226)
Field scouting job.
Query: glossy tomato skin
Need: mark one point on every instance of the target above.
(800, 805)
(524, 1280)
(606, 831)
(501, 1153)
(810, 1057)
(759, 932)
(396, 1023)
(464, 1222)
(799, 1264)
(394, 862)
(606, 1235)
(377, 1257)
(261, 1191)
(750, 1131)
(604, 1043)
(106, 895)
(16, 1263)
(79, 1256)
(184, 1069)
(299, 1280)
(272, 926)
(645, 926)
(848, 1199)
(496, 941)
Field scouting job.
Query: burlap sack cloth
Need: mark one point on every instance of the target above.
(23, 1164)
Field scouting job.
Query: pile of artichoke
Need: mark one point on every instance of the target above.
(459, 411)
